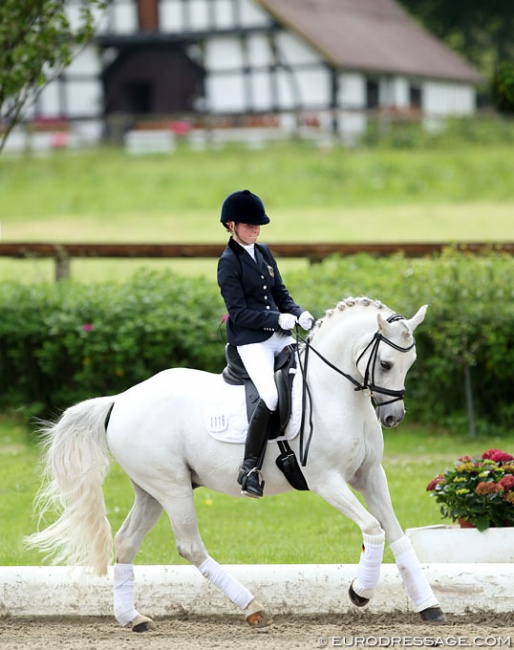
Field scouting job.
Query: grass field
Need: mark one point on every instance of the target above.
(311, 195)
(452, 194)
(290, 528)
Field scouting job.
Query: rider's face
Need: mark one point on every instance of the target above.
(245, 233)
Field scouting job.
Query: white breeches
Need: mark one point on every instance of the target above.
(259, 361)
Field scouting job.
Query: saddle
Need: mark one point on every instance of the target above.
(285, 370)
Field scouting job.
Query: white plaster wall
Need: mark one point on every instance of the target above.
(289, 95)
(224, 14)
(223, 53)
(252, 15)
(440, 98)
(261, 91)
(86, 61)
(225, 93)
(259, 53)
(352, 90)
(314, 85)
(199, 14)
(48, 102)
(400, 92)
(84, 98)
(124, 17)
(170, 16)
(294, 51)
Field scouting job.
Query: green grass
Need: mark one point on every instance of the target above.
(452, 194)
(290, 528)
(311, 195)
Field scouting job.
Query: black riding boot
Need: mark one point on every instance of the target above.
(255, 449)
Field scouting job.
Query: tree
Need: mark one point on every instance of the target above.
(37, 40)
(480, 31)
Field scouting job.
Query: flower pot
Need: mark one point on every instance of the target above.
(465, 523)
(455, 545)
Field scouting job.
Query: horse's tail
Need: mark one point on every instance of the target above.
(76, 461)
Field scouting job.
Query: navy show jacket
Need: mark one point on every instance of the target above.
(254, 294)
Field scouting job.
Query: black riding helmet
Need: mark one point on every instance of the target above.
(244, 207)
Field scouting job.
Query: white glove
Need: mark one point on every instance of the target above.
(287, 321)
(305, 320)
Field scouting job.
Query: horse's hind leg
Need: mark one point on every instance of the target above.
(182, 514)
(143, 516)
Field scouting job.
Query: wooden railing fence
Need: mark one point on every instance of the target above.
(63, 253)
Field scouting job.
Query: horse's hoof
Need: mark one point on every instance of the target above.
(259, 619)
(433, 615)
(256, 616)
(142, 624)
(357, 600)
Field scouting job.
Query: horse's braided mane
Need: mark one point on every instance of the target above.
(344, 304)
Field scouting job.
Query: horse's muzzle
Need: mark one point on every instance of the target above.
(390, 415)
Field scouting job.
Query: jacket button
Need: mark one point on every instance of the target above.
(265, 297)
(264, 286)
(268, 307)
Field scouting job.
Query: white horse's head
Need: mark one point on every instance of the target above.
(385, 360)
(373, 348)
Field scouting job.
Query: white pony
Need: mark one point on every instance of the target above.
(359, 352)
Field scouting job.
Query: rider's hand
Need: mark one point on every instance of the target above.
(305, 320)
(287, 321)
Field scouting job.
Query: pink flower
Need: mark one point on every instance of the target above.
(87, 327)
(224, 318)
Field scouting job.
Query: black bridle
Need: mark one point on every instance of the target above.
(368, 383)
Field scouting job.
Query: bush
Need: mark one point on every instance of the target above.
(467, 333)
(65, 342)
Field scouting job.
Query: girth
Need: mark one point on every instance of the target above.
(285, 369)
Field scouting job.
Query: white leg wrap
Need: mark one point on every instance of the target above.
(368, 571)
(415, 583)
(220, 578)
(124, 609)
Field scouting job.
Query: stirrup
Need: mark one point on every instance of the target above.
(259, 487)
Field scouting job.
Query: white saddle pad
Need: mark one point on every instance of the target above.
(225, 412)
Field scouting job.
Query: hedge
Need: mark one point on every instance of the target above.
(66, 342)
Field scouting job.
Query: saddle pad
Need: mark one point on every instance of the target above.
(225, 413)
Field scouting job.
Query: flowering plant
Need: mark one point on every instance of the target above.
(478, 490)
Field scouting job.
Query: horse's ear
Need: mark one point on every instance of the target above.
(418, 318)
(383, 325)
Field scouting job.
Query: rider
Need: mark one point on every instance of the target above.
(261, 314)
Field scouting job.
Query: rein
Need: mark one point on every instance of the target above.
(368, 383)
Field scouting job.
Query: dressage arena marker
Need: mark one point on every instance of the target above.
(303, 589)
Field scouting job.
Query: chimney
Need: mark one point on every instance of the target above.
(148, 15)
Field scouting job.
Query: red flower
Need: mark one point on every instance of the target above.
(432, 485)
(87, 327)
(507, 482)
(497, 455)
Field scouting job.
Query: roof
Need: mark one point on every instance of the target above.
(371, 35)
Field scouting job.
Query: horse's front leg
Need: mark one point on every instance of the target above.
(374, 488)
(336, 492)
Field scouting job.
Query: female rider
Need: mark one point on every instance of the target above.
(261, 314)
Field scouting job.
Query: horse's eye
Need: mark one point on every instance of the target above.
(385, 365)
